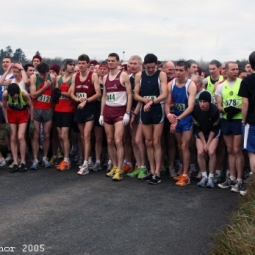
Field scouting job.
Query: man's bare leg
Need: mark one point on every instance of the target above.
(118, 136)
(157, 131)
(22, 141)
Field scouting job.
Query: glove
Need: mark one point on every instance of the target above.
(231, 112)
(126, 119)
(101, 120)
(31, 127)
(56, 95)
(8, 127)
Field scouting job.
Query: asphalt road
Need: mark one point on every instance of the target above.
(70, 214)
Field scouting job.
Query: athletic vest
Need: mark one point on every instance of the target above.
(65, 104)
(210, 85)
(180, 97)
(150, 86)
(230, 98)
(19, 103)
(44, 100)
(116, 94)
(132, 82)
(21, 84)
(86, 88)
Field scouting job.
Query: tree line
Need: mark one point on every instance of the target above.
(19, 56)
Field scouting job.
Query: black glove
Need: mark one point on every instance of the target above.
(56, 95)
(231, 112)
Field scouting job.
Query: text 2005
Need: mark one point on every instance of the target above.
(33, 248)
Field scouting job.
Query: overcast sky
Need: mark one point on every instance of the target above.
(171, 29)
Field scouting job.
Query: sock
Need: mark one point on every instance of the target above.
(218, 172)
(239, 180)
(90, 160)
(232, 178)
(124, 162)
(109, 162)
(67, 160)
(227, 173)
(130, 164)
(36, 160)
(98, 161)
(143, 166)
(211, 175)
(204, 174)
(85, 162)
(44, 158)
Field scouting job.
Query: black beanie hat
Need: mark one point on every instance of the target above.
(206, 96)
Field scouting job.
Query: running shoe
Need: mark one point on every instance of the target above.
(199, 176)
(109, 167)
(227, 184)
(11, 165)
(210, 183)
(34, 165)
(90, 165)
(2, 162)
(60, 154)
(14, 169)
(135, 173)
(237, 187)
(80, 162)
(53, 160)
(8, 157)
(46, 163)
(22, 168)
(63, 166)
(127, 168)
(148, 177)
(97, 167)
(203, 182)
(111, 173)
(184, 180)
(118, 176)
(84, 169)
(243, 190)
(143, 173)
(155, 180)
(178, 176)
(172, 172)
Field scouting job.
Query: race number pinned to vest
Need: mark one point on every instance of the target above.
(111, 97)
(44, 98)
(81, 95)
(180, 107)
(231, 102)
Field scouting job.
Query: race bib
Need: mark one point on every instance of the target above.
(80, 95)
(150, 97)
(180, 107)
(231, 102)
(44, 98)
(111, 97)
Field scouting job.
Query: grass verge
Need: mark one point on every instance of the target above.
(238, 237)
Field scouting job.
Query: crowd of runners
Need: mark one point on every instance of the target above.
(139, 119)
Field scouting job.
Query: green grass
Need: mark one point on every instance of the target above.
(238, 237)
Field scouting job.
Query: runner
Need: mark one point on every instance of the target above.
(247, 92)
(135, 128)
(36, 60)
(191, 68)
(248, 68)
(115, 113)
(64, 111)
(183, 92)
(41, 86)
(15, 103)
(85, 90)
(230, 104)
(151, 91)
(214, 70)
(98, 129)
(206, 119)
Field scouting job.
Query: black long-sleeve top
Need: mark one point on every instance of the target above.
(206, 121)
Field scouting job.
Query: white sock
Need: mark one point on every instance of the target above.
(109, 162)
(239, 180)
(44, 158)
(227, 173)
(90, 159)
(85, 162)
(204, 174)
(232, 178)
(67, 160)
(98, 161)
(143, 166)
(211, 175)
